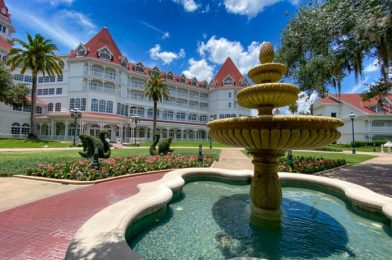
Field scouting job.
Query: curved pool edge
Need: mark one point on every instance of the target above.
(103, 235)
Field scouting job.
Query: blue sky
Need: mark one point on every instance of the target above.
(186, 36)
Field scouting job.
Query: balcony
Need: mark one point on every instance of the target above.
(378, 129)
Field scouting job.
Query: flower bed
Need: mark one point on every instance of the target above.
(81, 169)
(303, 164)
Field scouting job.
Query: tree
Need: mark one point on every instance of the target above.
(38, 56)
(155, 89)
(328, 40)
(378, 90)
(11, 94)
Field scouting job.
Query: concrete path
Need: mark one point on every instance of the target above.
(43, 229)
(16, 192)
(234, 159)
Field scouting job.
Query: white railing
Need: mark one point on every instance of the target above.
(381, 129)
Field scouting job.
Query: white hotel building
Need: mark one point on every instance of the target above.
(108, 90)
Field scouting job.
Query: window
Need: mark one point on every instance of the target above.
(180, 116)
(229, 105)
(50, 107)
(39, 92)
(94, 105)
(15, 129)
(139, 67)
(228, 81)
(229, 94)
(77, 103)
(59, 91)
(81, 50)
(203, 119)
(149, 113)
(192, 117)
(51, 91)
(27, 109)
(25, 129)
(60, 78)
(109, 107)
(83, 105)
(124, 62)
(38, 110)
(233, 115)
(221, 116)
(182, 78)
(140, 111)
(71, 103)
(45, 91)
(52, 79)
(194, 81)
(58, 107)
(18, 77)
(17, 108)
(169, 75)
(40, 79)
(102, 106)
(28, 78)
(333, 114)
(105, 54)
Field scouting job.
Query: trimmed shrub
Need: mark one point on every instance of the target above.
(164, 146)
(303, 164)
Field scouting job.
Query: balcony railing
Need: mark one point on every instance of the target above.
(381, 129)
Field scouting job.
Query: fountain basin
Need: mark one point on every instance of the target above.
(103, 236)
(268, 94)
(276, 132)
(269, 72)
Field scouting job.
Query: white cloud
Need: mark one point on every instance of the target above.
(360, 86)
(165, 56)
(206, 9)
(372, 67)
(56, 2)
(199, 69)
(217, 50)
(189, 5)
(165, 35)
(65, 27)
(251, 8)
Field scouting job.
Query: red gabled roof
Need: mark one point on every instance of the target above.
(38, 101)
(4, 9)
(102, 39)
(228, 68)
(4, 43)
(356, 101)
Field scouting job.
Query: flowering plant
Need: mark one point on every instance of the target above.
(303, 164)
(82, 170)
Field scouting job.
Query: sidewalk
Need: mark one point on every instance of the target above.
(44, 229)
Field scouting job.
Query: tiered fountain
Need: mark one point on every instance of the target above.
(267, 136)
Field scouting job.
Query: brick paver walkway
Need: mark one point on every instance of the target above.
(44, 229)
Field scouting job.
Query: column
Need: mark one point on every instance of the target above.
(66, 125)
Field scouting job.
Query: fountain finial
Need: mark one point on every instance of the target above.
(266, 53)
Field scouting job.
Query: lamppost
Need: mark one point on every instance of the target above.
(352, 116)
(75, 114)
(135, 119)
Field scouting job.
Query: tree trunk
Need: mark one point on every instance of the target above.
(154, 124)
(32, 133)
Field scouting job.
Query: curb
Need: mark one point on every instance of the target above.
(74, 182)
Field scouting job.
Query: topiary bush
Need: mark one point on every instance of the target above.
(164, 146)
(89, 142)
(153, 150)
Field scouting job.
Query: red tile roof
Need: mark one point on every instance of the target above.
(228, 68)
(38, 101)
(4, 43)
(102, 39)
(4, 9)
(355, 100)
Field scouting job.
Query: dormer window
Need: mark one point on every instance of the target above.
(155, 70)
(105, 54)
(169, 75)
(212, 84)
(124, 62)
(139, 67)
(81, 50)
(182, 78)
(204, 84)
(194, 82)
(228, 81)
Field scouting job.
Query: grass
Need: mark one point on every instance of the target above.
(19, 162)
(350, 158)
(347, 147)
(23, 143)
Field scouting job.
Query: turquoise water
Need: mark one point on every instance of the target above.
(210, 221)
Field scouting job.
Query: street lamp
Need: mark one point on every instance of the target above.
(135, 119)
(75, 114)
(352, 116)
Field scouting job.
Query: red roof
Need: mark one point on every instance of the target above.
(38, 101)
(102, 39)
(4, 9)
(4, 43)
(369, 107)
(228, 68)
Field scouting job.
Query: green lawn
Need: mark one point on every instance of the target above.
(23, 143)
(350, 158)
(347, 147)
(18, 162)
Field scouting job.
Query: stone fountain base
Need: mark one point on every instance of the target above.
(265, 189)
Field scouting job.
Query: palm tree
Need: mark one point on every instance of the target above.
(155, 89)
(36, 55)
(11, 94)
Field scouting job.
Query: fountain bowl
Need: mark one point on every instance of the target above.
(270, 72)
(276, 132)
(273, 95)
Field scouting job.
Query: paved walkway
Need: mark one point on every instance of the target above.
(44, 229)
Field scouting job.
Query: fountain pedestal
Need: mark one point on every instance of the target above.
(267, 136)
